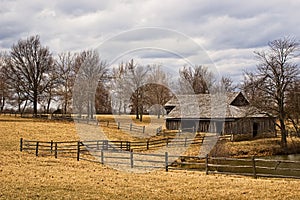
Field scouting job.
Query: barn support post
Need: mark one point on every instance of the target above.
(143, 129)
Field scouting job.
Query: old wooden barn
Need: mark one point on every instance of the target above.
(225, 114)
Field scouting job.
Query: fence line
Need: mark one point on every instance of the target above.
(255, 167)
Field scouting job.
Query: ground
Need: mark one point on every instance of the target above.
(24, 176)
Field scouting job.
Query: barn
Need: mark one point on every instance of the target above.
(229, 113)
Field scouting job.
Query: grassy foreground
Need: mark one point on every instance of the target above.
(24, 176)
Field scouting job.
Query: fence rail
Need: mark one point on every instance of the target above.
(107, 152)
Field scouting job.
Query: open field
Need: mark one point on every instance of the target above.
(24, 176)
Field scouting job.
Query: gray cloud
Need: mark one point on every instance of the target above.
(229, 30)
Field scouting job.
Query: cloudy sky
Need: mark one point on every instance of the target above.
(219, 34)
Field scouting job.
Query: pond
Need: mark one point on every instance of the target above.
(294, 157)
(279, 166)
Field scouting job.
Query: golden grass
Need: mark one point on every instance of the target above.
(256, 147)
(24, 176)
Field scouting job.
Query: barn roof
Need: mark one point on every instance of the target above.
(207, 106)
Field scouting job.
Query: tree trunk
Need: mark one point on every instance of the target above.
(158, 114)
(48, 106)
(65, 108)
(141, 113)
(92, 108)
(2, 103)
(24, 107)
(283, 134)
(35, 102)
(137, 112)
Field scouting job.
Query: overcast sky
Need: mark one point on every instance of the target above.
(185, 32)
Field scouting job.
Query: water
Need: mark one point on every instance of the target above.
(293, 157)
(280, 165)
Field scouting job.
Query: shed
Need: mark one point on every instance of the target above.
(228, 113)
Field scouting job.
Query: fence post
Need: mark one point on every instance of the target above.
(254, 167)
(130, 127)
(37, 149)
(206, 164)
(121, 145)
(185, 141)
(55, 150)
(97, 144)
(167, 142)
(131, 159)
(102, 157)
(105, 145)
(148, 144)
(119, 125)
(127, 146)
(107, 123)
(143, 129)
(21, 144)
(51, 146)
(166, 162)
(78, 151)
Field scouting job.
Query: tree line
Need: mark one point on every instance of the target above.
(33, 79)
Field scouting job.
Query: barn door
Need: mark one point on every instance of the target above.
(219, 127)
(255, 129)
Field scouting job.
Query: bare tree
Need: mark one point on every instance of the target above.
(136, 77)
(157, 92)
(92, 69)
(119, 89)
(102, 99)
(3, 83)
(228, 84)
(273, 79)
(196, 80)
(28, 66)
(293, 106)
(66, 70)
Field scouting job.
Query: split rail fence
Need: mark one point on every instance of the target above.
(121, 153)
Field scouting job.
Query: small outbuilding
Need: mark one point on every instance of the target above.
(228, 113)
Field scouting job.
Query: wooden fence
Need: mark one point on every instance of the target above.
(120, 153)
(256, 167)
(44, 148)
(126, 126)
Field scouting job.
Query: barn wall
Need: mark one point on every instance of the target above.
(233, 126)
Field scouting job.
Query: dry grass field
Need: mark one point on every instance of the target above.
(24, 176)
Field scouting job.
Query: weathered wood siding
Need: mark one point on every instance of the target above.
(230, 126)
